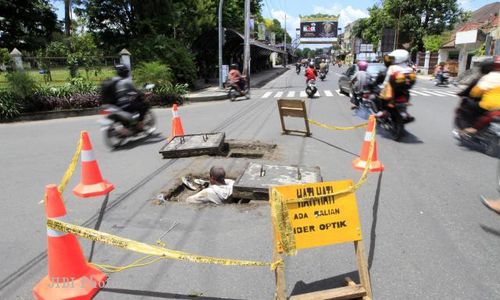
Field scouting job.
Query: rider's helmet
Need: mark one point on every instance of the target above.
(234, 66)
(486, 66)
(362, 65)
(496, 63)
(399, 56)
(311, 64)
(122, 70)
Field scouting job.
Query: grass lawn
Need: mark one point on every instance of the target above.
(61, 76)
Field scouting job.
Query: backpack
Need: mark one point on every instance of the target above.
(108, 91)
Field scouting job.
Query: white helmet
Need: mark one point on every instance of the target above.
(400, 56)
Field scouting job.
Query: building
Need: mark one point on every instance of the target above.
(465, 46)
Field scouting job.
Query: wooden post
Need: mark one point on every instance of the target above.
(280, 293)
(364, 275)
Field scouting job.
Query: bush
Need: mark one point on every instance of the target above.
(21, 84)
(171, 52)
(9, 106)
(153, 72)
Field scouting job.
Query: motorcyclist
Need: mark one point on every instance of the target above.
(487, 90)
(398, 81)
(234, 78)
(311, 72)
(359, 82)
(298, 65)
(439, 72)
(127, 97)
(322, 66)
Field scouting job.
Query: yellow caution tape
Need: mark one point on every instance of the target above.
(150, 250)
(279, 211)
(70, 170)
(336, 127)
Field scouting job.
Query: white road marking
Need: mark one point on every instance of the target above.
(278, 94)
(303, 94)
(434, 94)
(338, 92)
(328, 93)
(291, 94)
(419, 93)
(445, 93)
(266, 95)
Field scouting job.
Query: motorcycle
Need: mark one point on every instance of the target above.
(311, 88)
(233, 92)
(486, 140)
(393, 117)
(297, 69)
(322, 75)
(118, 125)
(443, 80)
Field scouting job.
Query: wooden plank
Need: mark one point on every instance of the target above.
(279, 273)
(346, 292)
(292, 112)
(290, 103)
(364, 275)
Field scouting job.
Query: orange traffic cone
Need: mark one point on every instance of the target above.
(91, 182)
(177, 129)
(69, 275)
(360, 162)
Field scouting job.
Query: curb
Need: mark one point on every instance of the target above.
(58, 114)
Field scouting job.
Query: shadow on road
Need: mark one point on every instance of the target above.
(373, 233)
(160, 294)
(408, 138)
(333, 146)
(330, 283)
(151, 139)
(490, 230)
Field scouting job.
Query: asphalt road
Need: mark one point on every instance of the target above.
(427, 235)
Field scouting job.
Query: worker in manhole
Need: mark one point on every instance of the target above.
(219, 191)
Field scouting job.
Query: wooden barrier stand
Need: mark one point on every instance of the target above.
(319, 222)
(293, 108)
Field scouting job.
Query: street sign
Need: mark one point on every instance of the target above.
(366, 48)
(321, 221)
(225, 71)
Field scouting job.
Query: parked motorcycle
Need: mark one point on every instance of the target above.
(486, 140)
(233, 92)
(311, 88)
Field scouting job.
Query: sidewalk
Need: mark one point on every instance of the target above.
(214, 93)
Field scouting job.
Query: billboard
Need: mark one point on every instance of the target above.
(318, 28)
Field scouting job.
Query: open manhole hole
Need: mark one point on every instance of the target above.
(249, 149)
(180, 191)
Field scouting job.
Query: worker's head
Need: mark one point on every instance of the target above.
(486, 66)
(217, 175)
(234, 67)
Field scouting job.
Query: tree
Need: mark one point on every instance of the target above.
(83, 52)
(26, 24)
(412, 19)
(275, 26)
(432, 42)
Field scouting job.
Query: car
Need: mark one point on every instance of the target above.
(345, 79)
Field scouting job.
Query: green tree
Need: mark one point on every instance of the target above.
(83, 52)
(153, 72)
(4, 56)
(26, 24)
(275, 26)
(412, 19)
(432, 42)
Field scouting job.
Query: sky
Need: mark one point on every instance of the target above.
(348, 10)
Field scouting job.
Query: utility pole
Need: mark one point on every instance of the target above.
(284, 44)
(396, 34)
(221, 42)
(246, 54)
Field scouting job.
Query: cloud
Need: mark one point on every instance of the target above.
(347, 14)
(292, 22)
(465, 4)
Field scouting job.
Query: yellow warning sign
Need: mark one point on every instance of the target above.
(319, 220)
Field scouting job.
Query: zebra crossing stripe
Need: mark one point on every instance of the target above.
(303, 94)
(278, 94)
(419, 93)
(328, 93)
(445, 93)
(291, 94)
(338, 92)
(434, 93)
(266, 95)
